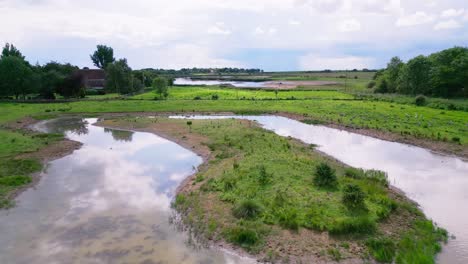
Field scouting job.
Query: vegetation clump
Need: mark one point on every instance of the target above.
(420, 100)
(247, 209)
(353, 197)
(325, 176)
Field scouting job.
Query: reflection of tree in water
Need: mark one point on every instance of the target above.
(120, 135)
(74, 125)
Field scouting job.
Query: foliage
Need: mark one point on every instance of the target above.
(10, 50)
(353, 196)
(247, 209)
(383, 249)
(103, 56)
(160, 86)
(119, 77)
(420, 100)
(443, 73)
(325, 176)
(16, 77)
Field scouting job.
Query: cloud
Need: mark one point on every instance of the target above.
(219, 29)
(349, 25)
(452, 12)
(265, 31)
(417, 18)
(317, 62)
(448, 24)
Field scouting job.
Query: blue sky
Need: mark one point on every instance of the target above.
(267, 34)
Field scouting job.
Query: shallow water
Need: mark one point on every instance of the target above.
(438, 183)
(108, 202)
(188, 81)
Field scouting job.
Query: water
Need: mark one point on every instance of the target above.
(188, 81)
(108, 202)
(436, 182)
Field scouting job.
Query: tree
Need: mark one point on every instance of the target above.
(15, 76)
(72, 86)
(160, 85)
(11, 50)
(103, 56)
(392, 72)
(417, 76)
(119, 77)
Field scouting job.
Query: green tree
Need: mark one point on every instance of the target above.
(15, 77)
(119, 77)
(11, 50)
(417, 76)
(449, 72)
(160, 85)
(103, 56)
(72, 86)
(392, 72)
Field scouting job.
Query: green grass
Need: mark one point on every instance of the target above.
(420, 122)
(206, 93)
(14, 173)
(244, 200)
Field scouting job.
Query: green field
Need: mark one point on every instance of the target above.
(206, 92)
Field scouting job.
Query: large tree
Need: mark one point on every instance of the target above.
(119, 77)
(103, 56)
(15, 77)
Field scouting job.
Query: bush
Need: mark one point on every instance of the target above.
(197, 98)
(263, 176)
(371, 84)
(247, 209)
(214, 97)
(243, 237)
(325, 176)
(378, 176)
(354, 173)
(382, 249)
(353, 196)
(353, 225)
(420, 100)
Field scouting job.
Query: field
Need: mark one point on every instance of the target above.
(260, 192)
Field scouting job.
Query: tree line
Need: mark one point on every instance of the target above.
(21, 80)
(441, 74)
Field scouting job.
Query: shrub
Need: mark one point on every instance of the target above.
(353, 225)
(214, 97)
(371, 84)
(353, 196)
(247, 209)
(263, 175)
(242, 236)
(197, 98)
(325, 176)
(354, 173)
(420, 100)
(378, 176)
(382, 249)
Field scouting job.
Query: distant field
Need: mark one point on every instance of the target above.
(207, 92)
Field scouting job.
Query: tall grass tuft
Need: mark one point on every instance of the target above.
(247, 209)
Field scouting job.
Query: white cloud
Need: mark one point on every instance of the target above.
(219, 29)
(349, 25)
(452, 12)
(317, 62)
(417, 18)
(449, 24)
(262, 31)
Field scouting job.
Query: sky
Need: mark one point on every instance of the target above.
(274, 35)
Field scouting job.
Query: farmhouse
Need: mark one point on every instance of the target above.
(94, 79)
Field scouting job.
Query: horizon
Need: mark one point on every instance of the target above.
(290, 35)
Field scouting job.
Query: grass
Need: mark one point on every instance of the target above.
(207, 92)
(259, 183)
(15, 173)
(404, 120)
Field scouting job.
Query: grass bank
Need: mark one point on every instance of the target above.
(280, 200)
